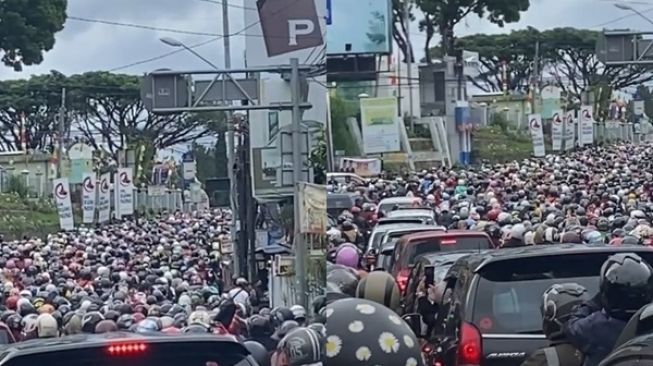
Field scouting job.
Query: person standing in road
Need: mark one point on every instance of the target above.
(240, 293)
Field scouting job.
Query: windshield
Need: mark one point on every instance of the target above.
(375, 239)
(445, 245)
(509, 293)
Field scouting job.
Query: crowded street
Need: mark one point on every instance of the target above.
(552, 252)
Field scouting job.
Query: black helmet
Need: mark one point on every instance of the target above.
(361, 330)
(558, 302)
(125, 322)
(626, 284)
(284, 329)
(279, 315)
(90, 320)
(259, 326)
(258, 352)
(302, 346)
(380, 287)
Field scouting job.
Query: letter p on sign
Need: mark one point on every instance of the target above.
(299, 27)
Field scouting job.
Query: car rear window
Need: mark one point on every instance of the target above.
(162, 354)
(387, 207)
(418, 248)
(509, 293)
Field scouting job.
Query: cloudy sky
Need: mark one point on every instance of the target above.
(87, 46)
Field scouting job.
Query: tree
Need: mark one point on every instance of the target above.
(212, 161)
(515, 50)
(109, 113)
(571, 60)
(399, 30)
(27, 29)
(38, 100)
(444, 15)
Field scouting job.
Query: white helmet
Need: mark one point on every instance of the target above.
(298, 312)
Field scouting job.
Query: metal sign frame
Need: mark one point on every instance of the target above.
(634, 49)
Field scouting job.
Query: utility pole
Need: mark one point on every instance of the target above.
(536, 75)
(301, 255)
(409, 62)
(60, 138)
(230, 141)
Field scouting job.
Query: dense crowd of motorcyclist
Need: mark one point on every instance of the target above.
(160, 275)
(594, 196)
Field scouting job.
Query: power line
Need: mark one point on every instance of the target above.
(230, 5)
(621, 18)
(141, 26)
(202, 43)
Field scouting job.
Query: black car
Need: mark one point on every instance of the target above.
(490, 310)
(128, 349)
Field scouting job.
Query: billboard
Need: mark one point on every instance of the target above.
(279, 30)
(359, 27)
(380, 125)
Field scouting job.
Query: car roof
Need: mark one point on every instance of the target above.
(79, 341)
(479, 261)
(418, 227)
(391, 200)
(396, 226)
(440, 257)
(438, 233)
(411, 212)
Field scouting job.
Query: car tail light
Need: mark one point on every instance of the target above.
(402, 279)
(469, 348)
(448, 241)
(427, 349)
(125, 349)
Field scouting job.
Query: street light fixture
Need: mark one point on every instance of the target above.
(176, 43)
(627, 7)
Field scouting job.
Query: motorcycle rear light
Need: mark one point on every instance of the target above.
(126, 349)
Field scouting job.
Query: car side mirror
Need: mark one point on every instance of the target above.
(414, 321)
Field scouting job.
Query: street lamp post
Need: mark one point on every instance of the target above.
(230, 141)
(627, 7)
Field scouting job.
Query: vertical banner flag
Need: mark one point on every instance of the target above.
(557, 128)
(537, 134)
(89, 192)
(570, 130)
(61, 192)
(586, 122)
(125, 189)
(104, 199)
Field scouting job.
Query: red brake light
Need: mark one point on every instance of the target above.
(469, 349)
(427, 348)
(126, 349)
(402, 279)
(448, 241)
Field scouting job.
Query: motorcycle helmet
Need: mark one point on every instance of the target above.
(626, 284)
(558, 302)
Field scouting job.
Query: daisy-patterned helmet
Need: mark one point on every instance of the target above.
(362, 332)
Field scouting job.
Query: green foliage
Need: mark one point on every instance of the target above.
(20, 216)
(343, 138)
(499, 121)
(318, 158)
(105, 107)
(497, 146)
(566, 53)
(16, 185)
(27, 28)
(441, 16)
